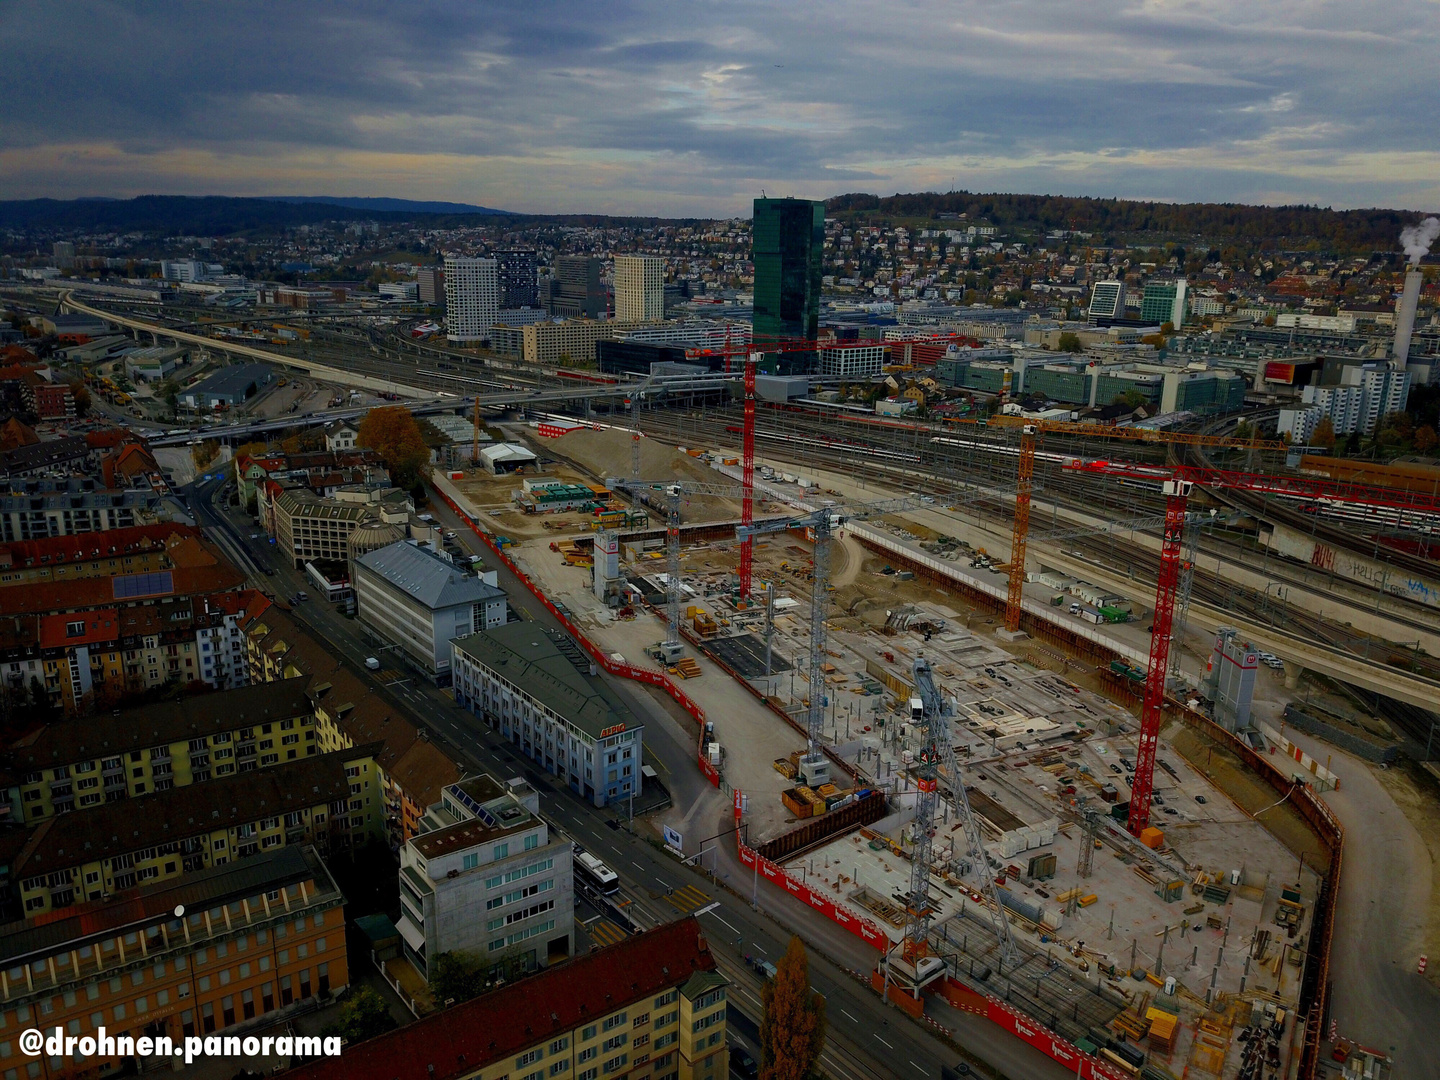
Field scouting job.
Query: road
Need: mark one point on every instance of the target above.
(867, 1038)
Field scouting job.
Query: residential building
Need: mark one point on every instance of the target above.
(322, 471)
(539, 690)
(852, 360)
(575, 291)
(310, 527)
(639, 288)
(570, 342)
(472, 298)
(1164, 301)
(516, 275)
(1364, 394)
(485, 876)
(1107, 300)
(227, 945)
(1300, 423)
(340, 435)
(47, 400)
(63, 456)
(228, 387)
(134, 752)
(412, 770)
(134, 550)
(788, 237)
(418, 599)
(652, 1007)
(430, 285)
(329, 800)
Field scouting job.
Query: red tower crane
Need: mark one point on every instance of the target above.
(747, 472)
(1405, 509)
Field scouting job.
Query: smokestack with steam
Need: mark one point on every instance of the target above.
(1416, 240)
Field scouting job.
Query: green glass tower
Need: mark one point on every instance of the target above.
(788, 242)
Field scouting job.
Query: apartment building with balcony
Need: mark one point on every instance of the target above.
(235, 944)
(649, 1008)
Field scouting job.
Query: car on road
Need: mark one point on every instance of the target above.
(742, 1063)
(302, 596)
(959, 1069)
(1200, 799)
(373, 663)
(254, 536)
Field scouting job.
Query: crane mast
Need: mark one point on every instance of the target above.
(1021, 530)
(747, 503)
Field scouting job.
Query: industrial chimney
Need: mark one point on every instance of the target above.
(1405, 319)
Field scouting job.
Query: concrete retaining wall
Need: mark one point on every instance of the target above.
(1381, 753)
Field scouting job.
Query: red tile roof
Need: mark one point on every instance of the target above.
(496, 1025)
(94, 626)
(84, 547)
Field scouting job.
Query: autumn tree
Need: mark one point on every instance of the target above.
(81, 393)
(792, 1031)
(363, 1015)
(1324, 434)
(1425, 439)
(391, 432)
(1070, 342)
(204, 453)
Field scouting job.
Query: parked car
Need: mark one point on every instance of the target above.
(743, 1063)
(1200, 798)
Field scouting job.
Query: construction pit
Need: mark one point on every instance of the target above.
(1217, 904)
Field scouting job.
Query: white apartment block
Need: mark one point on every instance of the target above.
(639, 288)
(486, 877)
(472, 298)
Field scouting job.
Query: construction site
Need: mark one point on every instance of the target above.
(991, 766)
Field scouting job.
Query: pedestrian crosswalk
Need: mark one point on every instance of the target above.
(389, 675)
(604, 932)
(688, 899)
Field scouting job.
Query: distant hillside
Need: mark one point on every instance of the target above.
(210, 215)
(1281, 227)
(399, 206)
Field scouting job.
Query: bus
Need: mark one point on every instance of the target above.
(597, 874)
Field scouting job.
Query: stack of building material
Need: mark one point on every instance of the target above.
(1164, 1027)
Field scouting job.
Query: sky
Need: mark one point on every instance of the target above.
(694, 107)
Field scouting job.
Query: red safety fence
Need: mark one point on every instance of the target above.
(615, 667)
(864, 929)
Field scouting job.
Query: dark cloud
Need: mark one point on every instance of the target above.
(692, 106)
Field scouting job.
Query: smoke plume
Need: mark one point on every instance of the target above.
(1416, 239)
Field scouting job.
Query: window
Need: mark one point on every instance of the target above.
(612, 1022)
(529, 1058)
(641, 1020)
(667, 998)
(588, 1033)
(470, 860)
(502, 851)
(559, 1067)
(616, 1041)
(562, 1043)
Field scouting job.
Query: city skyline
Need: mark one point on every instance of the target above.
(647, 110)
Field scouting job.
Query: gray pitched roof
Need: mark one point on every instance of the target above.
(427, 577)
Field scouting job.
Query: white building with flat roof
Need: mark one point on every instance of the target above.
(472, 298)
(639, 288)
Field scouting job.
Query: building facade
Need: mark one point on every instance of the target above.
(639, 288)
(540, 691)
(852, 361)
(652, 1007)
(575, 291)
(573, 341)
(485, 876)
(239, 941)
(1107, 300)
(1164, 301)
(472, 298)
(419, 600)
(516, 273)
(788, 249)
(430, 285)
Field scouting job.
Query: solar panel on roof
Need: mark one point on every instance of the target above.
(155, 583)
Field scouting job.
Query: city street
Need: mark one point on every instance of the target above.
(866, 1037)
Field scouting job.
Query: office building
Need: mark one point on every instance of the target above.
(472, 298)
(430, 285)
(652, 1007)
(310, 527)
(1230, 679)
(788, 247)
(516, 273)
(485, 876)
(1205, 393)
(539, 690)
(1107, 300)
(1164, 301)
(569, 342)
(639, 288)
(401, 292)
(418, 600)
(575, 291)
(228, 945)
(852, 360)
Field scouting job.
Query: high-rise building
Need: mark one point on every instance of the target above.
(1164, 301)
(516, 271)
(1107, 300)
(472, 298)
(788, 241)
(576, 292)
(639, 288)
(430, 281)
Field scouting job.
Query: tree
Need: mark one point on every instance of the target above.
(1324, 434)
(204, 453)
(1070, 342)
(1352, 443)
(792, 1031)
(457, 976)
(1425, 439)
(363, 1015)
(1131, 399)
(81, 393)
(392, 432)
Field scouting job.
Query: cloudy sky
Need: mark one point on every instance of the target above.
(695, 106)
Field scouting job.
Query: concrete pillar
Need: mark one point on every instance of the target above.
(1293, 671)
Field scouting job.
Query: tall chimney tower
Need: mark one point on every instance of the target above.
(1405, 319)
